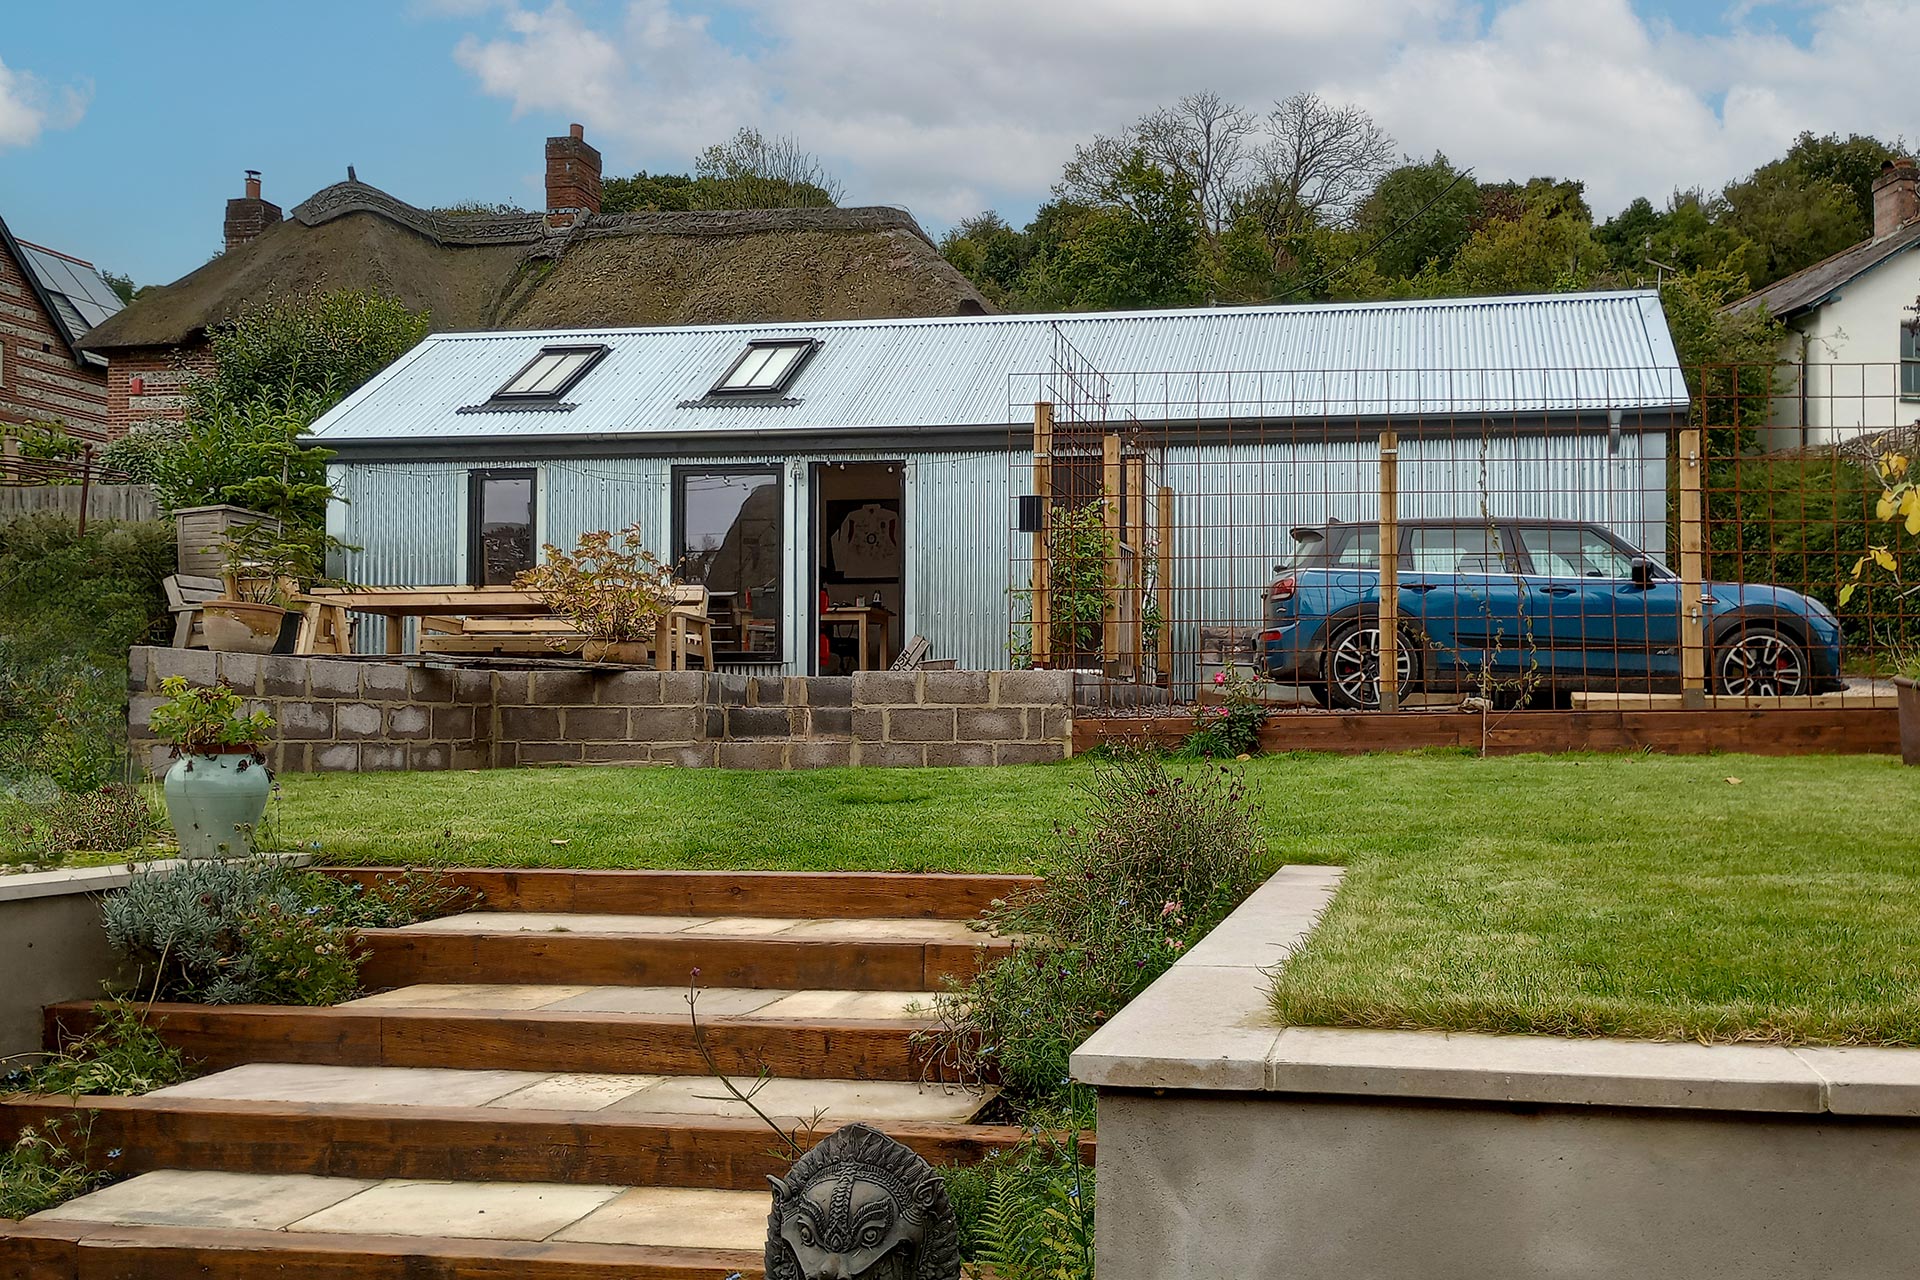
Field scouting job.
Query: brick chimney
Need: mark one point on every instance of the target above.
(248, 216)
(1896, 197)
(573, 178)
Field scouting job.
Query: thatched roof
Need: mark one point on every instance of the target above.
(628, 270)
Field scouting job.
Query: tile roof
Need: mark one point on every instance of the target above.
(1811, 286)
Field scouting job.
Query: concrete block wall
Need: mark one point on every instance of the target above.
(345, 716)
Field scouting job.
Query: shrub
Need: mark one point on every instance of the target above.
(44, 1167)
(1231, 728)
(1160, 858)
(122, 1055)
(113, 819)
(70, 606)
(609, 586)
(198, 721)
(257, 931)
(1027, 1213)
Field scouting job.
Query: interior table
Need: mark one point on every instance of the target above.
(871, 620)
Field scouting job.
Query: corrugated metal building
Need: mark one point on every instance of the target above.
(788, 463)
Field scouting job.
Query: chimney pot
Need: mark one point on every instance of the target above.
(249, 215)
(1896, 197)
(253, 184)
(576, 131)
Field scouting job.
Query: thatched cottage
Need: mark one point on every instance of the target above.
(569, 267)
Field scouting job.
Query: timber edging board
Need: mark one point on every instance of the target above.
(782, 894)
(1848, 731)
(99, 1251)
(460, 1144)
(222, 1036)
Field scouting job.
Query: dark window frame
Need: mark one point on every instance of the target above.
(808, 348)
(594, 351)
(476, 509)
(1910, 360)
(677, 548)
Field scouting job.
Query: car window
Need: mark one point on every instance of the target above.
(1454, 549)
(1359, 548)
(1574, 553)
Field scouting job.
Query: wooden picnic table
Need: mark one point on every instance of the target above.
(399, 603)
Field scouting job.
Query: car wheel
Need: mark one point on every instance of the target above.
(1760, 662)
(1353, 665)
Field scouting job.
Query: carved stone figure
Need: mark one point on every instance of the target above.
(861, 1207)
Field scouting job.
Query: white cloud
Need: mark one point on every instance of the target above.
(949, 106)
(28, 107)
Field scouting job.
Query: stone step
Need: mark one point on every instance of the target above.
(746, 1003)
(601, 949)
(547, 1040)
(177, 1223)
(846, 895)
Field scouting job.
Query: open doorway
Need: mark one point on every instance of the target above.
(860, 558)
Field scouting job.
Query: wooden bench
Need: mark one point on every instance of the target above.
(186, 592)
(520, 637)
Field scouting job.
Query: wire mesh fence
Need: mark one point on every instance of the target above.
(1508, 541)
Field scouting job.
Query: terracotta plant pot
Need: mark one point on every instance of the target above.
(215, 802)
(633, 652)
(241, 626)
(1908, 697)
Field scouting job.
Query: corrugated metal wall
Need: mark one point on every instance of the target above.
(409, 519)
(1235, 505)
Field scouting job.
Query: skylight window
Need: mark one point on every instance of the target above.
(551, 374)
(766, 368)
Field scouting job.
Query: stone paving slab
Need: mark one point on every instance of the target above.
(791, 1101)
(194, 1198)
(460, 1210)
(678, 1218)
(663, 1002)
(870, 930)
(378, 1086)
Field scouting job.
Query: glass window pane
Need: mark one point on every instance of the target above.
(1360, 548)
(539, 369)
(1574, 553)
(506, 529)
(1455, 549)
(778, 362)
(564, 367)
(749, 369)
(731, 541)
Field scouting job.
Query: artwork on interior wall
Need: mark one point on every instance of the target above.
(864, 542)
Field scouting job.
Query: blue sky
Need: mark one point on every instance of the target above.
(121, 137)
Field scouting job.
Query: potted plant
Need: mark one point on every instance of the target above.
(265, 568)
(217, 788)
(1899, 507)
(613, 590)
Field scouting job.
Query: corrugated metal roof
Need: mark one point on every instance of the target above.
(1467, 357)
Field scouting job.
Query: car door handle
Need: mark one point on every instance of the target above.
(1421, 587)
(1558, 591)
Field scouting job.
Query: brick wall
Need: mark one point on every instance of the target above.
(164, 373)
(344, 716)
(39, 378)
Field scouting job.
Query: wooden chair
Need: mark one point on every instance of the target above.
(689, 630)
(186, 592)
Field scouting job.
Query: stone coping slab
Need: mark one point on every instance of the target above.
(1207, 1025)
(66, 880)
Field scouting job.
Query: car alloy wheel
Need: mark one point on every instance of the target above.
(1762, 663)
(1353, 666)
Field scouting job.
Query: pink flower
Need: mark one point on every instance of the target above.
(1219, 677)
(1169, 909)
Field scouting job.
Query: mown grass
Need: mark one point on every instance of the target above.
(1624, 895)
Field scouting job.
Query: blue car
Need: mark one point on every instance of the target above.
(1512, 606)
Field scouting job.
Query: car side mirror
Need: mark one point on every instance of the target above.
(1642, 573)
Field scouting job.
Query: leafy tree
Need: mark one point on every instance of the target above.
(1139, 250)
(753, 171)
(1548, 248)
(123, 286)
(1420, 215)
(307, 353)
(1788, 220)
(647, 193)
(1853, 162)
(990, 253)
(1730, 359)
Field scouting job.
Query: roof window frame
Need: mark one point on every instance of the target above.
(595, 352)
(807, 348)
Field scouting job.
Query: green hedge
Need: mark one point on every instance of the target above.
(70, 607)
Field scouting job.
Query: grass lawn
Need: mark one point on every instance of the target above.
(1630, 895)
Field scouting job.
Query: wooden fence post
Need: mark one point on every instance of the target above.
(1693, 572)
(1041, 578)
(1136, 541)
(86, 485)
(1163, 583)
(1114, 520)
(1389, 571)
